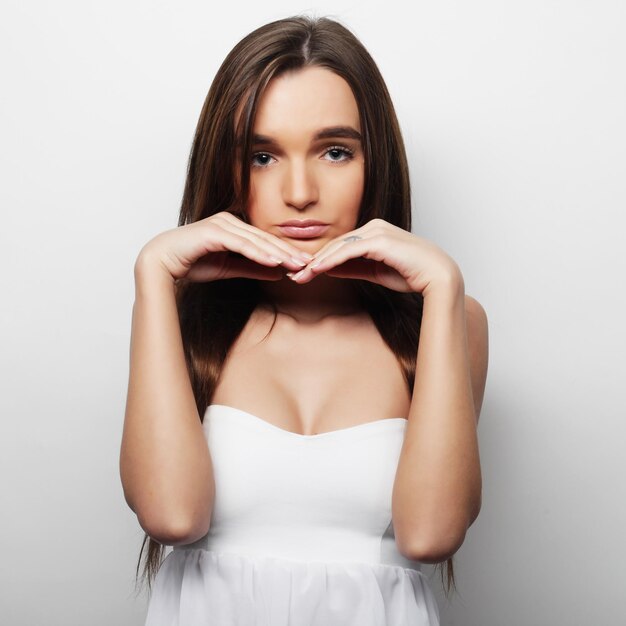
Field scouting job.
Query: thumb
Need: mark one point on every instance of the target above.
(354, 268)
(216, 267)
(242, 267)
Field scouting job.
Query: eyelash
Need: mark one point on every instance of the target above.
(348, 154)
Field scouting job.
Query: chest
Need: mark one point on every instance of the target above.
(322, 497)
(313, 379)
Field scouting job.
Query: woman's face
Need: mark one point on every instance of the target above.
(307, 158)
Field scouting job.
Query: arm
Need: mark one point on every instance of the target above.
(165, 464)
(437, 490)
(436, 494)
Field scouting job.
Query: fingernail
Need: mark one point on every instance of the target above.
(296, 276)
(300, 262)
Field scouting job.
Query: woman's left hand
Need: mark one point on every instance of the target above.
(387, 255)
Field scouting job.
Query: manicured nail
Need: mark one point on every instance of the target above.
(300, 262)
(296, 276)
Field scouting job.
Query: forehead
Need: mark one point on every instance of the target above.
(302, 101)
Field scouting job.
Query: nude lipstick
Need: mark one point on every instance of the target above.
(303, 229)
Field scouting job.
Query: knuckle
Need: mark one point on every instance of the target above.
(379, 233)
(210, 229)
(216, 219)
(248, 248)
(379, 240)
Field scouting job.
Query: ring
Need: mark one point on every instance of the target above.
(353, 238)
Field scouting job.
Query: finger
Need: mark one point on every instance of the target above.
(340, 254)
(325, 249)
(372, 271)
(220, 265)
(347, 249)
(274, 242)
(242, 268)
(289, 255)
(352, 268)
(362, 269)
(337, 243)
(254, 247)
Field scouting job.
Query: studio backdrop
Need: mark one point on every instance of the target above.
(513, 118)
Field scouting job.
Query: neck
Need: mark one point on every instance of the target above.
(324, 296)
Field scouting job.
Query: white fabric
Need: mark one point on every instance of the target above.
(300, 534)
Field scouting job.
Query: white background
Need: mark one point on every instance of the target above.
(513, 116)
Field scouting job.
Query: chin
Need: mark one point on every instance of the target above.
(311, 245)
(307, 245)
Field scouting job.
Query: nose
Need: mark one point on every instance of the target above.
(300, 186)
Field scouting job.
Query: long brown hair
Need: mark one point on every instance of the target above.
(213, 314)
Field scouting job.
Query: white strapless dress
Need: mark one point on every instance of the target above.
(300, 535)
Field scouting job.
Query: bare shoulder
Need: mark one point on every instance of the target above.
(478, 348)
(475, 312)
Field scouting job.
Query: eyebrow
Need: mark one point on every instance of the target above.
(330, 132)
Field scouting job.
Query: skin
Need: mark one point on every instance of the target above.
(303, 375)
(300, 177)
(313, 372)
(323, 366)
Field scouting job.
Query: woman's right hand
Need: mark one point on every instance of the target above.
(202, 251)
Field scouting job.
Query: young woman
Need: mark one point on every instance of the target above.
(280, 324)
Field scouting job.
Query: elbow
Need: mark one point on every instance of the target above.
(174, 531)
(438, 542)
(432, 549)
(169, 521)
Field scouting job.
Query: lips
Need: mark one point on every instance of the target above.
(303, 229)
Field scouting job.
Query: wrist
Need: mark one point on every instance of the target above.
(450, 287)
(149, 271)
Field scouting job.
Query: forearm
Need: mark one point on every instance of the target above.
(165, 464)
(437, 488)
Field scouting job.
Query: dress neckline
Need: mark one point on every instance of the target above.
(338, 432)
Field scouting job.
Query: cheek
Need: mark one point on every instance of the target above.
(258, 197)
(348, 193)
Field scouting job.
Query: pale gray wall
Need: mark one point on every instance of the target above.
(513, 115)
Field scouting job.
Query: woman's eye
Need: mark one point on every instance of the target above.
(261, 159)
(339, 154)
